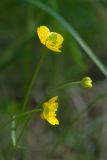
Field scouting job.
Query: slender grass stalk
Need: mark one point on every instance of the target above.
(30, 86)
(29, 118)
(13, 132)
(14, 118)
(73, 33)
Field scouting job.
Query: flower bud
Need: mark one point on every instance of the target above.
(86, 82)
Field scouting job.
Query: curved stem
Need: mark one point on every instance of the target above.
(68, 84)
(32, 81)
(65, 85)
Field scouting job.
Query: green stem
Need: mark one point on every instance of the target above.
(27, 113)
(68, 84)
(32, 81)
(19, 116)
(65, 85)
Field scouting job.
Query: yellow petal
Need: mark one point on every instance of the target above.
(53, 99)
(43, 33)
(53, 121)
(54, 41)
(52, 48)
(46, 112)
(52, 114)
(60, 40)
(53, 107)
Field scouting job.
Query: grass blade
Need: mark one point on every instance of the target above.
(13, 132)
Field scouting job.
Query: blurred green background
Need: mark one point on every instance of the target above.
(81, 134)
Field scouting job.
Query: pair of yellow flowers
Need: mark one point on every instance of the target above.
(53, 41)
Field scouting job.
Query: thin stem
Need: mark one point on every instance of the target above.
(19, 116)
(27, 113)
(32, 81)
(64, 86)
(68, 84)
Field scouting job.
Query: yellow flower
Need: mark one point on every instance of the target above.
(51, 40)
(49, 109)
(86, 82)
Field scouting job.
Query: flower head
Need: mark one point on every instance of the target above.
(49, 109)
(86, 82)
(51, 40)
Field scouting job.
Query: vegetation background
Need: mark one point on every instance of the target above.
(82, 133)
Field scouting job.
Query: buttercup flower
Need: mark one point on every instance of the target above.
(49, 109)
(86, 82)
(51, 40)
